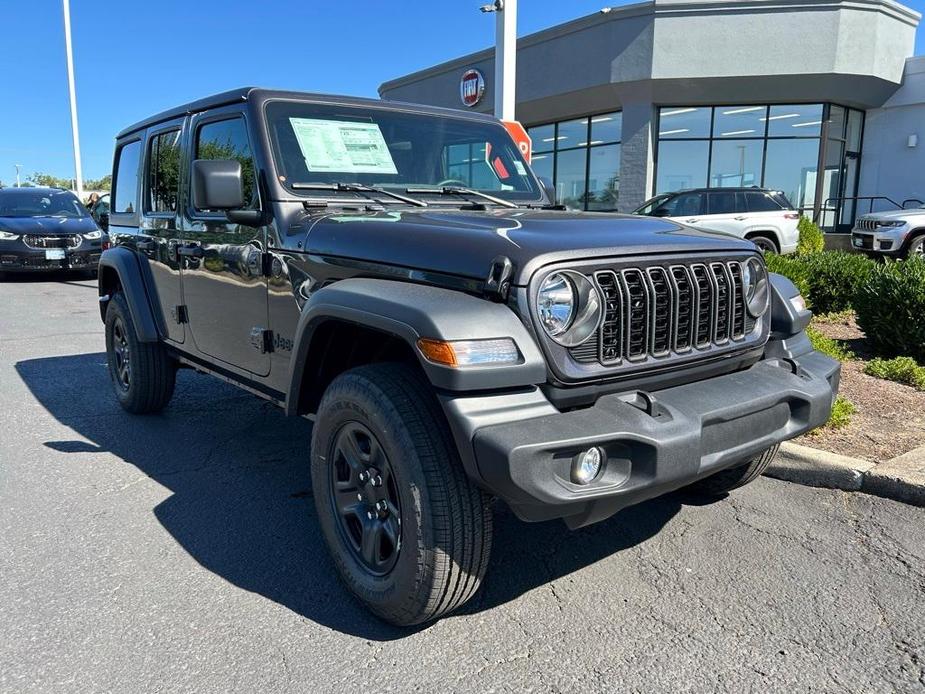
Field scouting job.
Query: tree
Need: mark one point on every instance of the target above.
(101, 184)
(41, 179)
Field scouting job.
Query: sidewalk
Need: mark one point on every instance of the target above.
(901, 478)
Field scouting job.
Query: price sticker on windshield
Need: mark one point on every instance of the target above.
(342, 146)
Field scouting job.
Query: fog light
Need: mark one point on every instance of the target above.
(586, 465)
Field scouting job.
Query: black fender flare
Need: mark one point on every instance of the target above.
(125, 264)
(411, 311)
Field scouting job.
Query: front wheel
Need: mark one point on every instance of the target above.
(724, 481)
(916, 247)
(409, 533)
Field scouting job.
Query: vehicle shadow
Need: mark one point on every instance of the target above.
(241, 501)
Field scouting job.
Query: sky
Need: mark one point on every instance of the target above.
(149, 55)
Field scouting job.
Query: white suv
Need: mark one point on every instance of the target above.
(899, 233)
(764, 217)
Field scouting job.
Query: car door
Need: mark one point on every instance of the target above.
(157, 230)
(725, 212)
(224, 286)
(687, 208)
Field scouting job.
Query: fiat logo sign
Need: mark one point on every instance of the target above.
(471, 87)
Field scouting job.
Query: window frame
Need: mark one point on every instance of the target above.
(196, 124)
(117, 218)
(150, 138)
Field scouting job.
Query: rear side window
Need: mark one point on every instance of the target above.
(727, 202)
(126, 183)
(761, 202)
(163, 172)
(227, 139)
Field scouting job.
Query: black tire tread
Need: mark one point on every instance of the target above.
(460, 512)
(732, 478)
(154, 371)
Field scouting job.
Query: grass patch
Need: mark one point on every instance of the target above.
(842, 411)
(835, 317)
(833, 348)
(900, 369)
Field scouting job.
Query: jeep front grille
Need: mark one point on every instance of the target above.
(655, 312)
(64, 241)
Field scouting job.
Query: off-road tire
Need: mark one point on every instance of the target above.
(152, 371)
(765, 243)
(724, 481)
(445, 520)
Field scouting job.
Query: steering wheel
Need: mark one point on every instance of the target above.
(452, 182)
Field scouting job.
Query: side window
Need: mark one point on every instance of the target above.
(163, 173)
(683, 205)
(126, 183)
(722, 203)
(761, 202)
(227, 139)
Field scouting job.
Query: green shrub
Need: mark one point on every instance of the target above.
(900, 369)
(835, 278)
(890, 307)
(812, 240)
(842, 410)
(834, 348)
(794, 269)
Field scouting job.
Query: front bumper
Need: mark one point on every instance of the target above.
(689, 432)
(880, 242)
(25, 259)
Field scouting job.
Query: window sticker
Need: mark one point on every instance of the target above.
(342, 146)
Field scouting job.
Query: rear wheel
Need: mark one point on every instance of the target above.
(765, 243)
(726, 480)
(143, 374)
(409, 533)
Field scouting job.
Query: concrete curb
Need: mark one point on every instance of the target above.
(902, 478)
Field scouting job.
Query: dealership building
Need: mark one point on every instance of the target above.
(821, 99)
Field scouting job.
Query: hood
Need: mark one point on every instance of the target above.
(461, 242)
(895, 214)
(47, 226)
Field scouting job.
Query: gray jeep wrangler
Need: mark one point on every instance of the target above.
(398, 275)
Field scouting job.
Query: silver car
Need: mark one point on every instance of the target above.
(897, 234)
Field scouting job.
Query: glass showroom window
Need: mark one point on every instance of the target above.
(582, 159)
(748, 145)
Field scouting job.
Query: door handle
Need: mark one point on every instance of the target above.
(741, 218)
(692, 220)
(190, 251)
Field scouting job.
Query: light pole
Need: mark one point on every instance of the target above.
(73, 96)
(505, 56)
(18, 167)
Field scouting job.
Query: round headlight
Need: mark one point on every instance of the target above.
(556, 304)
(569, 307)
(755, 281)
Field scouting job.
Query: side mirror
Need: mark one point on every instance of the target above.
(660, 212)
(217, 184)
(103, 221)
(549, 188)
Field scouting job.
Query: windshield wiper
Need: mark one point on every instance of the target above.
(358, 188)
(453, 190)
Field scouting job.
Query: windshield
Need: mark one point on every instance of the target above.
(318, 143)
(31, 202)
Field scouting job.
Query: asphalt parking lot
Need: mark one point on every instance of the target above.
(181, 552)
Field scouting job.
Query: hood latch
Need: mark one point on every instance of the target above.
(498, 283)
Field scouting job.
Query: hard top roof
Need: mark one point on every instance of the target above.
(258, 95)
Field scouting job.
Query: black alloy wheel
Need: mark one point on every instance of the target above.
(365, 498)
(122, 362)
